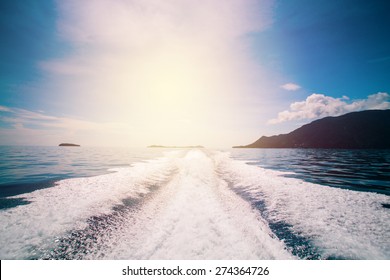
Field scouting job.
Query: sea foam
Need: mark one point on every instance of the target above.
(71, 202)
(193, 204)
(341, 223)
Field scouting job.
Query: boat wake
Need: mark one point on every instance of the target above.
(195, 204)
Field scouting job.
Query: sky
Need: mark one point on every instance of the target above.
(181, 72)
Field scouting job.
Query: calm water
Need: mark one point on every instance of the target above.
(361, 170)
(113, 203)
(24, 169)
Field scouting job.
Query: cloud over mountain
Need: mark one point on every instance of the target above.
(320, 105)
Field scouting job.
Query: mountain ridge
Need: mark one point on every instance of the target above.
(357, 130)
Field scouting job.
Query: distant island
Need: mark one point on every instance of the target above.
(68, 145)
(176, 147)
(358, 130)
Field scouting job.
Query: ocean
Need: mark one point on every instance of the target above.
(122, 203)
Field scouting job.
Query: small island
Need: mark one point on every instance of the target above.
(68, 145)
(176, 147)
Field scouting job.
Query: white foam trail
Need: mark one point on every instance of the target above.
(197, 217)
(342, 223)
(68, 205)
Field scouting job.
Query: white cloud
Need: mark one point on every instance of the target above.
(320, 105)
(290, 86)
(137, 23)
(4, 109)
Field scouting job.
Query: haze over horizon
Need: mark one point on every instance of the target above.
(180, 72)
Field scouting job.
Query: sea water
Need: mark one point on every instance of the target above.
(117, 203)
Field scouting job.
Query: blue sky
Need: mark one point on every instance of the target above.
(335, 47)
(135, 73)
(28, 35)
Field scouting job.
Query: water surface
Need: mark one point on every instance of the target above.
(101, 203)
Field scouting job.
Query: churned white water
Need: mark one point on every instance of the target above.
(341, 223)
(197, 217)
(68, 205)
(192, 204)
